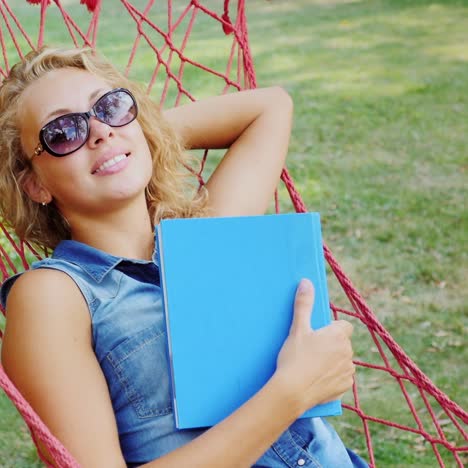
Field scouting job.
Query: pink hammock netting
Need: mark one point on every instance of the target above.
(437, 421)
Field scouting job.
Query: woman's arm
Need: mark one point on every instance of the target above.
(255, 125)
(47, 353)
(297, 385)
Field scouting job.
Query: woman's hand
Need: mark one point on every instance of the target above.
(314, 366)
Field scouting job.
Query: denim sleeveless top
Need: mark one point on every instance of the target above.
(129, 340)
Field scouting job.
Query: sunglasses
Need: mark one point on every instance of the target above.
(68, 133)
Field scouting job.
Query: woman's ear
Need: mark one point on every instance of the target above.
(35, 190)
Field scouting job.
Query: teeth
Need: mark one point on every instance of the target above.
(110, 162)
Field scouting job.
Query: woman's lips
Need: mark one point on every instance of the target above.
(113, 165)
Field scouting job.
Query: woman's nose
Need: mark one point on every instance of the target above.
(99, 132)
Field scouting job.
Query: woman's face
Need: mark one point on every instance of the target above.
(78, 182)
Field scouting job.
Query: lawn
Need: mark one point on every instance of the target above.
(379, 147)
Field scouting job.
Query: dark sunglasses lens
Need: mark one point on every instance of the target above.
(116, 109)
(65, 134)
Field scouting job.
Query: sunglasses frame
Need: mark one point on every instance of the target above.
(43, 146)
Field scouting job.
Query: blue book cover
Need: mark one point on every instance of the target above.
(229, 286)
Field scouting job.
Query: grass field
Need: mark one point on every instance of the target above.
(380, 148)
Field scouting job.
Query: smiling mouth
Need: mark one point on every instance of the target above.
(111, 162)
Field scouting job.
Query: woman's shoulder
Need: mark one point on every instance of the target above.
(38, 280)
(43, 302)
(45, 277)
(39, 285)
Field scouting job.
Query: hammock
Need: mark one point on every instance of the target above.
(432, 421)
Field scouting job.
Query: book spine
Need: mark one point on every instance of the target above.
(160, 256)
(322, 269)
(333, 408)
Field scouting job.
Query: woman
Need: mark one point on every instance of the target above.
(89, 166)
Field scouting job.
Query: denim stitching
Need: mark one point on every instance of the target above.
(147, 341)
(118, 283)
(303, 453)
(134, 397)
(297, 438)
(137, 400)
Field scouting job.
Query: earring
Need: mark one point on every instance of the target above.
(43, 203)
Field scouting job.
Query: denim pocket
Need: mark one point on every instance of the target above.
(141, 374)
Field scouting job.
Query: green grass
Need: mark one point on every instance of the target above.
(379, 148)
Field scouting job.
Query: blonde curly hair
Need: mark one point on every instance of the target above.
(167, 193)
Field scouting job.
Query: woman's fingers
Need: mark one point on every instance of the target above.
(303, 305)
(317, 364)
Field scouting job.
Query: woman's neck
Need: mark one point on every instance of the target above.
(127, 232)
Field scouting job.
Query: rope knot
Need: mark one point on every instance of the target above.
(90, 4)
(228, 28)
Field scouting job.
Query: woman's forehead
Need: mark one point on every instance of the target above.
(69, 89)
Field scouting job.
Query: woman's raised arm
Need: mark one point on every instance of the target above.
(255, 125)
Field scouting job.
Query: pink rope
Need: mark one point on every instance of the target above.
(70, 23)
(137, 39)
(44, 5)
(18, 25)
(183, 46)
(95, 7)
(4, 53)
(56, 449)
(10, 30)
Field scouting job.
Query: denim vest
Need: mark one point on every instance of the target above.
(129, 340)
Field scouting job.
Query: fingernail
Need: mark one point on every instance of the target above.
(304, 286)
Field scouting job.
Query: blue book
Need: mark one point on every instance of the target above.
(229, 286)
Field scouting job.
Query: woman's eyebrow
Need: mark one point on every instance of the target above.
(65, 110)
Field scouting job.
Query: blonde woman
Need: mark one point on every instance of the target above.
(89, 165)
